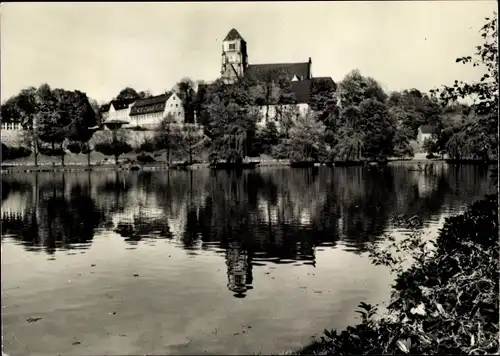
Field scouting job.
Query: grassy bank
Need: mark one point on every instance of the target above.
(445, 303)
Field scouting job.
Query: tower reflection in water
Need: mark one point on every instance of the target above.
(239, 269)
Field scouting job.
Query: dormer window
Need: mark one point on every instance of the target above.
(232, 46)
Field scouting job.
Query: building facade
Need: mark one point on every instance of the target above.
(235, 66)
(425, 132)
(146, 113)
(150, 112)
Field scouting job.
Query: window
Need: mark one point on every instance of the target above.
(232, 46)
(176, 105)
(179, 114)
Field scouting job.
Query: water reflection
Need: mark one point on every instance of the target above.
(251, 218)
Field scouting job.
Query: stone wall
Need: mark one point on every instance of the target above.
(135, 138)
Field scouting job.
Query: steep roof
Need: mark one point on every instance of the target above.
(150, 105)
(121, 104)
(233, 35)
(302, 91)
(428, 129)
(271, 71)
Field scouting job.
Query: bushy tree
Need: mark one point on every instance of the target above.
(185, 89)
(233, 117)
(167, 136)
(482, 135)
(192, 140)
(364, 111)
(128, 93)
(306, 142)
(115, 147)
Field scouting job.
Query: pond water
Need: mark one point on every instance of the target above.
(97, 263)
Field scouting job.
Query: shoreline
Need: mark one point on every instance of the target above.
(29, 168)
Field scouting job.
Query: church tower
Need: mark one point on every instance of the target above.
(234, 57)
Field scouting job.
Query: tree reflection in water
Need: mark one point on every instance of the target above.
(55, 215)
(251, 218)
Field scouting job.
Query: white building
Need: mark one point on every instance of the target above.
(425, 132)
(117, 110)
(150, 112)
(146, 113)
(301, 90)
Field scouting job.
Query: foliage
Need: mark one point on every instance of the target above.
(145, 158)
(74, 147)
(232, 119)
(412, 109)
(446, 302)
(401, 142)
(192, 140)
(429, 146)
(51, 116)
(129, 93)
(364, 126)
(324, 101)
(482, 136)
(148, 146)
(266, 139)
(306, 138)
(116, 147)
(185, 89)
(10, 153)
(167, 136)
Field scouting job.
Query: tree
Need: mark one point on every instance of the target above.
(363, 110)
(349, 145)
(306, 138)
(167, 136)
(324, 99)
(24, 108)
(128, 93)
(97, 110)
(185, 89)
(482, 135)
(54, 122)
(83, 122)
(232, 119)
(116, 147)
(145, 94)
(267, 138)
(200, 104)
(401, 141)
(192, 140)
(413, 109)
(429, 146)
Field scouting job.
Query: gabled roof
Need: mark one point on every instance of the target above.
(150, 105)
(302, 89)
(122, 104)
(428, 129)
(233, 35)
(271, 71)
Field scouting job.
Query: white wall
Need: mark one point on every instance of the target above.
(301, 109)
(175, 108)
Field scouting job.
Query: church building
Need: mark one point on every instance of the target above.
(235, 66)
(235, 63)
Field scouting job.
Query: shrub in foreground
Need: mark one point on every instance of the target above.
(446, 302)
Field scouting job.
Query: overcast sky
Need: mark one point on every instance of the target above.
(100, 48)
